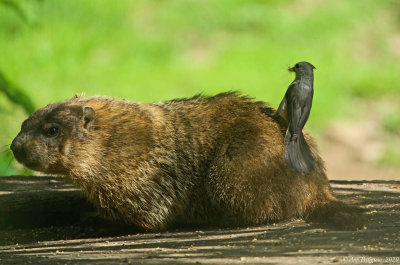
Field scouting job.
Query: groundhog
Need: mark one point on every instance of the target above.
(197, 161)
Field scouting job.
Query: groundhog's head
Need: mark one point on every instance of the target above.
(46, 136)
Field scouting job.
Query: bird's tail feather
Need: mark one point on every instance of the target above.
(298, 155)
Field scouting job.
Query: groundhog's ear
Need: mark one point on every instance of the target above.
(88, 117)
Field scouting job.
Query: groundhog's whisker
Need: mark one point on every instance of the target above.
(9, 162)
(5, 148)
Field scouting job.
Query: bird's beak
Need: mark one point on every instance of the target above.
(291, 69)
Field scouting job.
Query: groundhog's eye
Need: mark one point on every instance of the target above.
(52, 131)
(297, 65)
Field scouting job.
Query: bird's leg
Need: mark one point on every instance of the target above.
(281, 109)
(266, 111)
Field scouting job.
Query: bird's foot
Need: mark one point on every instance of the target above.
(267, 111)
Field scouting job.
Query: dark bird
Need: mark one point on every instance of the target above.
(295, 109)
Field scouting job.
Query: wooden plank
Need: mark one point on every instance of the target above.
(73, 242)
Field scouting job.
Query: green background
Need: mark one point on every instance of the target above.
(158, 50)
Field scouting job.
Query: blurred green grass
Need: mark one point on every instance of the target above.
(157, 50)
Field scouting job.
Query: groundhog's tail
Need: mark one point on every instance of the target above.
(338, 215)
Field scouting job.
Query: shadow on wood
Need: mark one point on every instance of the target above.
(50, 209)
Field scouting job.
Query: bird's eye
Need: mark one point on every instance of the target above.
(297, 65)
(53, 131)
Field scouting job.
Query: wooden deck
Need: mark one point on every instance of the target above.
(45, 220)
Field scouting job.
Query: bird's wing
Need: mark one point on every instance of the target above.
(294, 108)
(306, 103)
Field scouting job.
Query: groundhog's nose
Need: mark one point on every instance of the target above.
(17, 147)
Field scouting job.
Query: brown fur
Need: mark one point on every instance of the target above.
(203, 160)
